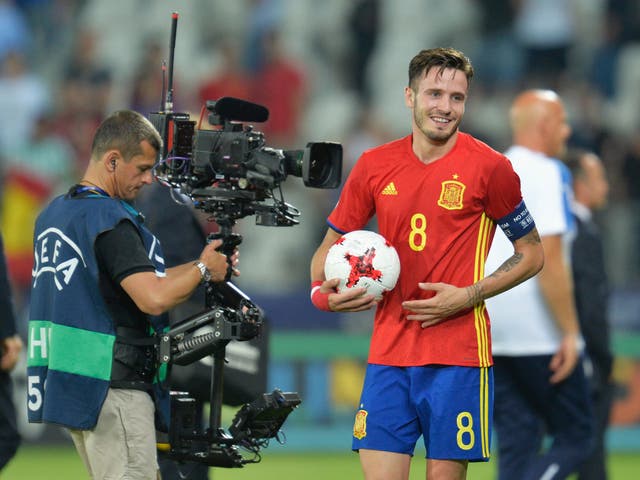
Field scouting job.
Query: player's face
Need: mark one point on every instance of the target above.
(131, 176)
(438, 103)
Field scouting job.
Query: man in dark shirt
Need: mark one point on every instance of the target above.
(591, 290)
(10, 346)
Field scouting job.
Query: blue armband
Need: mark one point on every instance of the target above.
(517, 223)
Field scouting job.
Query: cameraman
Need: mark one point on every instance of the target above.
(99, 287)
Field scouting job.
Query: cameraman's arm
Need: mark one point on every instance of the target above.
(123, 258)
(154, 295)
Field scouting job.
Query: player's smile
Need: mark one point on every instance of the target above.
(440, 120)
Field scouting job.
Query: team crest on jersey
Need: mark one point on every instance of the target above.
(451, 195)
(360, 425)
(57, 255)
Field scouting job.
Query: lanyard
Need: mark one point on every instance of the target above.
(96, 191)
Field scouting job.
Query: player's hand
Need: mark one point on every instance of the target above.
(448, 300)
(11, 348)
(565, 359)
(351, 300)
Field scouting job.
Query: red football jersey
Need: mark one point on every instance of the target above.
(440, 218)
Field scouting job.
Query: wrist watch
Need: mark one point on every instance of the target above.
(205, 274)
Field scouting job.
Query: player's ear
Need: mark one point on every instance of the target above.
(409, 96)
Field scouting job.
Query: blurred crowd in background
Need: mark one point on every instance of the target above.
(327, 71)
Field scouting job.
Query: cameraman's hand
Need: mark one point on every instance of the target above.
(217, 262)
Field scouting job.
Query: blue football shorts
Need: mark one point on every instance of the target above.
(450, 406)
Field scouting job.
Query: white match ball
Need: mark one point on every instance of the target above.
(363, 259)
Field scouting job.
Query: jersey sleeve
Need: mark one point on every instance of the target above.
(120, 252)
(503, 190)
(356, 205)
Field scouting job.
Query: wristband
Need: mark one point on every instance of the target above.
(320, 300)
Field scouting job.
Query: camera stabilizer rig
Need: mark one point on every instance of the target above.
(229, 173)
(230, 315)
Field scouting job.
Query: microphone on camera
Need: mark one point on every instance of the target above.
(231, 108)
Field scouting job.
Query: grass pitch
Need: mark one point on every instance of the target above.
(63, 463)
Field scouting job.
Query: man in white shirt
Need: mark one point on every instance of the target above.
(540, 387)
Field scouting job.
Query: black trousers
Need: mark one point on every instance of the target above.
(9, 436)
(528, 408)
(602, 394)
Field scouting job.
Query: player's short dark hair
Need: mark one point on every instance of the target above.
(124, 130)
(440, 58)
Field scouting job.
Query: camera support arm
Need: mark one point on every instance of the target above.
(230, 315)
(175, 349)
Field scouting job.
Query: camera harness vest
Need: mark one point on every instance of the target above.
(73, 342)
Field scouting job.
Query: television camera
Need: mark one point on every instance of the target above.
(228, 172)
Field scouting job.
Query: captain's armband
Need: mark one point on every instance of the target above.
(517, 223)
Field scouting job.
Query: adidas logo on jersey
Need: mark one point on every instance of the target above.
(390, 190)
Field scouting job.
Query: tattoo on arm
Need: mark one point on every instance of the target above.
(509, 264)
(474, 294)
(532, 237)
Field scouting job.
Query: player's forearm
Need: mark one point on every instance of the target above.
(512, 272)
(317, 265)
(526, 261)
(318, 259)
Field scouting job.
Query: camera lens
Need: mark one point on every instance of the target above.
(319, 164)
